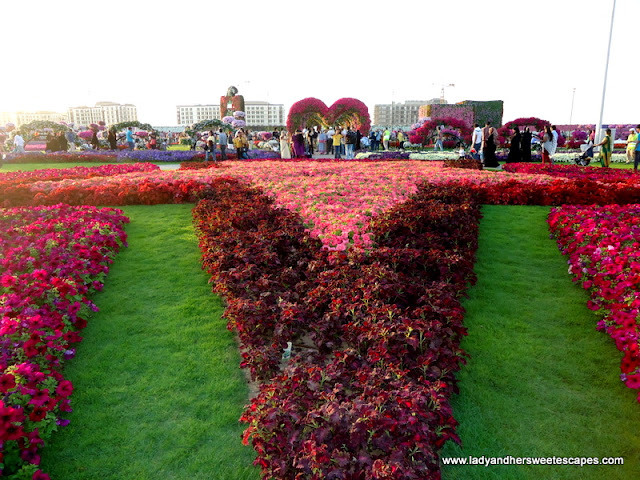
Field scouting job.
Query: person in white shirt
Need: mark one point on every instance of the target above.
(476, 142)
(554, 140)
(18, 143)
(222, 141)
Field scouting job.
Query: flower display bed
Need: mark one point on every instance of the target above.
(603, 249)
(375, 332)
(360, 265)
(51, 259)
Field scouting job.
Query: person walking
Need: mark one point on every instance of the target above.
(322, 142)
(386, 136)
(489, 150)
(71, 140)
(337, 139)
(62, 142)
(547, 145)
(350, 143)
(372, 140)
(636, 159)
(18, 143)
(605, 151)
(95, 143)
(438, 145)
(476, 142)
(112, 139)
(210, 149)
(525, 145)
(298, 144)
(223, 141)
(632, 140)
(514, 151)
(129, 138)
(554, 140)
(285, 151)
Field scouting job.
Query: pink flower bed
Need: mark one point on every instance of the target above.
(335, 199)
(603, 246)
(51, 259)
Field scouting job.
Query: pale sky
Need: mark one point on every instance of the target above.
(160, 54)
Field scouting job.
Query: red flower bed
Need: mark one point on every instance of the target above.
(609, 175)
(603, 246)
(51, 259)
(375, 333)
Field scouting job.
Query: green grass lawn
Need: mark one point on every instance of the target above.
(541, 381)
(158, 392)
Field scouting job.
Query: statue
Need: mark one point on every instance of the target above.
(231, 102)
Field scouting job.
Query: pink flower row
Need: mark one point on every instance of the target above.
(603, 246)
(51, 259)
(51, 174)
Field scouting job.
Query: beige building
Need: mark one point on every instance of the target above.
(399, 114)
(107, 112)
(20, 118)
(256, 113)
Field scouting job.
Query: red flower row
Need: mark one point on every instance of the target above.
(603, 246)
(51, 259)
(375, 334)
(606, 175)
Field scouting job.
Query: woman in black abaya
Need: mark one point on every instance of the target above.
(514, 151)
(525, 145)
(489, 151)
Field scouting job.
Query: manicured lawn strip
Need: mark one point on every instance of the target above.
(158, 392)
(541, 381)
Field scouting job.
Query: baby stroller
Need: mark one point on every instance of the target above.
(586, 156)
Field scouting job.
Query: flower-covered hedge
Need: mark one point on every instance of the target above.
(602, 245)
(487, 111)
(366, 392)
(464, 113)
(51, 260)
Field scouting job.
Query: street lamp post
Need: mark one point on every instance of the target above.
(572, 100)
(606, 70)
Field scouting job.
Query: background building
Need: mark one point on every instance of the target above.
(257, 113)
(107, 112)
(20, 118)
(399, 114)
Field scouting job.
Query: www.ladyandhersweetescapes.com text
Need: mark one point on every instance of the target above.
(509, 460)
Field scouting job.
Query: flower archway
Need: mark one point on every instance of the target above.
(310, 112)
(351, 111)
(505, 132)
(453, 127)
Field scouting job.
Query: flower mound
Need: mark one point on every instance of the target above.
(51, 259)
(603, 246)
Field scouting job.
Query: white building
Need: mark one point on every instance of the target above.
(108, 112)
(190, 114)
(256, 113)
